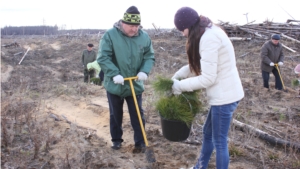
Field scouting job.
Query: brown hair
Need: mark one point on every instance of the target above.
(192, 44)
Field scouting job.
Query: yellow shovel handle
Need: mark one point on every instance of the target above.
(137, 107)
(276, 65)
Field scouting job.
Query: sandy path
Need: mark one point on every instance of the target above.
(90, 114)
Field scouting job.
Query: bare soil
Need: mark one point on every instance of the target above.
(51, 119)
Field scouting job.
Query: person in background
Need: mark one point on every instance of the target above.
(297, 71)
(271, 54)
(212, 66)
(125, 51)
(88, 56)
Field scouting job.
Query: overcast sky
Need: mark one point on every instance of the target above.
(100, 14)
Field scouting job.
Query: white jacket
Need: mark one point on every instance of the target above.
(219, 74)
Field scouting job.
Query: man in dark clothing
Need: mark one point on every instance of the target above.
(271, 54)
(88, 56)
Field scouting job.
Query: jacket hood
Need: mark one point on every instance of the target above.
(118, 25)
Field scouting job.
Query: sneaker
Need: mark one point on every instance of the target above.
(116, 145)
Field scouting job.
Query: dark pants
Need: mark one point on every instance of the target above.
(116, 117)
(266, 77)
(87, 73)
(101, 76)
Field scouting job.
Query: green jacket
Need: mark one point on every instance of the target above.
(127, 56)
(88, 57)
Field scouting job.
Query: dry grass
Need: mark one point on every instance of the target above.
(32, 137)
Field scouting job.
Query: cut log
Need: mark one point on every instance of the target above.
(292, 39)
(265, 136)
(239, 38)
(288, 48)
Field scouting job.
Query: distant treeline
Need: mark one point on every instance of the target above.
(54, 30)
(29, 30)
(45, 30)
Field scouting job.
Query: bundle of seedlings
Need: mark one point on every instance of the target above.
(96, 81)
(183, 107)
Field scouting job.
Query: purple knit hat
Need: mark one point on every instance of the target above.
(185, 17)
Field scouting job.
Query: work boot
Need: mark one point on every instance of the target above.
(139, 148)
(116, 145)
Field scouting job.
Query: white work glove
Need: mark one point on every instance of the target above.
(280, 63)
(176, 87)
(175, 77)
(182, 73)
(118, 79)
(271, 64)
(142, 76)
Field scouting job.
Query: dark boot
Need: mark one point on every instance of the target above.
(139, 148)
(116, 145)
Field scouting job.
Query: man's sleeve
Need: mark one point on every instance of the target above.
(148, 59)
(281, 57)
(264, 54)
(82, 58)
(104, 58)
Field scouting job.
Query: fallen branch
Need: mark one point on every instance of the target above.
(239, 38)
(192, 142)
(292, 39)
(288, 48)
(155, 27)
(66, 119)
(18, 53)
(244, 54)
(54, 117)
(265, 136)
(24, 55)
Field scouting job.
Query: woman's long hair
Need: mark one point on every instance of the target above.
(192, 44)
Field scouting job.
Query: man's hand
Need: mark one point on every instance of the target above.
(118, 79)
(271, 64)
(142, 76)
(280, 63)
(176, 87)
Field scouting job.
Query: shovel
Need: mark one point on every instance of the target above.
(149, 152)
(276, 65)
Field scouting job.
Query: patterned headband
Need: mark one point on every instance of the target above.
(132, 19)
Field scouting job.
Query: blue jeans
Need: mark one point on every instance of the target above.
(116, 117)
(215, 133)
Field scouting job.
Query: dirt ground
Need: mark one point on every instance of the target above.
(51, 119)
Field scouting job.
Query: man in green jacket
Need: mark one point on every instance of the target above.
(125, 51)
(271, 54)
(88, 56)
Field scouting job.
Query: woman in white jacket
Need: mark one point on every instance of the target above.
(212, 66)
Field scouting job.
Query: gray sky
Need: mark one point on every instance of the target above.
(100, 14)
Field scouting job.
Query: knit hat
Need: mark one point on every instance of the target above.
(297, 69)
(185, 17)
(132, 16)
(90, 45)
(276, 37)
